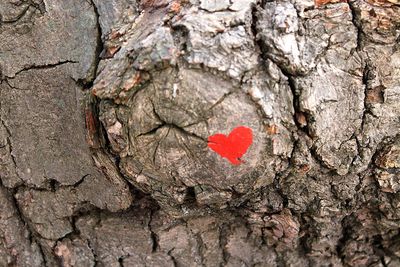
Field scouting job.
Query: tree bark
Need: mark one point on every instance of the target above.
(106, 108)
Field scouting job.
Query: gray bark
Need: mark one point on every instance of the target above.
(106, 107)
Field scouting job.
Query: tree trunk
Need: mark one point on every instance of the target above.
(111, 121)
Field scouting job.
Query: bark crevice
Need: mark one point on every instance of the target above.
(42, 67)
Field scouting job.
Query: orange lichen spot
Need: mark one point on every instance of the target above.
(272, 129)
(111, 50)
(132, 82)
(115, 34)
(175, 6)
(304, 168)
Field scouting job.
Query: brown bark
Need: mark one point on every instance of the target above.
(106, 107)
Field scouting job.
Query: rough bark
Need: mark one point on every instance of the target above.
(106, 107)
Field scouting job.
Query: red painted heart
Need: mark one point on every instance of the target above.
(233, 146)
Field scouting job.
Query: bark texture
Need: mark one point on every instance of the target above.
(106, 107)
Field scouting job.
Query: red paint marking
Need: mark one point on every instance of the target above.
(233, 146)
